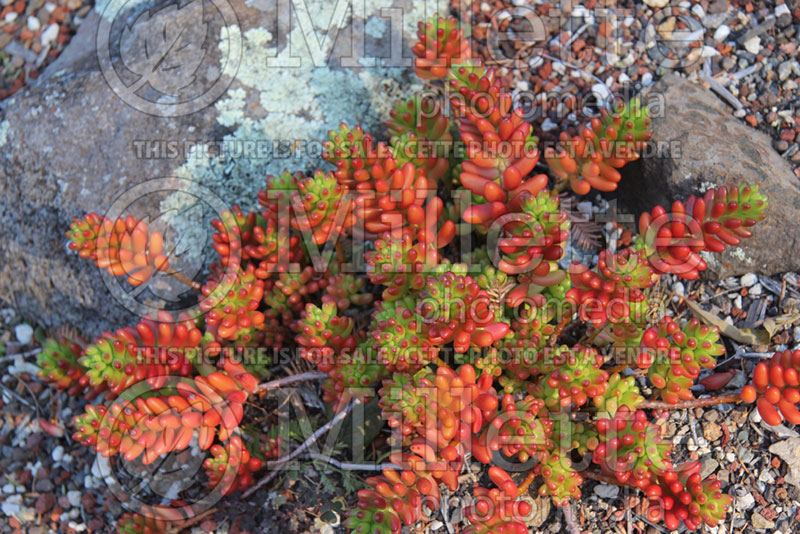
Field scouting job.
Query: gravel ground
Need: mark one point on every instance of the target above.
(744, 50)
(32, 34)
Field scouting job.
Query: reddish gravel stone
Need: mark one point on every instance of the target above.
(44, 503)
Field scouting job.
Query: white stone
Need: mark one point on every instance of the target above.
(585, 208)
(74, 497)
(623, 78)
(749, 279)
(745, 502)
(548, 125)
(34, 24)
(709, 51)
(9, 489)
(721, 33)
(678, 288)
(601, 92)
(57, 454)
(12, 506)
(698, 10)
(647, 79)
(782, 9)
(10, 17)
(753, 45)
(50, 34)
(656, 3)
(24, 333)
(756, 290)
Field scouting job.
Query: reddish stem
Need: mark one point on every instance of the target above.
(601, 477)
(275, 384)
(526, 483)
(696, 403)
(182, 278)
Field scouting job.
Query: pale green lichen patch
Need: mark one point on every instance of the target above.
(277, 115)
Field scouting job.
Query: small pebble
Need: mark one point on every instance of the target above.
(753, 45)
(50, 34)
(57, 454)
(24, 333)
(721, 33)
(749, 279)
(756, 290)
(74, 498)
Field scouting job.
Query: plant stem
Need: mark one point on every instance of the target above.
(526, 483)
(593, 335)
(560, 186)
(182, 278)
(696, 403)
(306, 444)
(347, 466)
(601, 477)
(302, 377)
(557, 332)
(570, 519)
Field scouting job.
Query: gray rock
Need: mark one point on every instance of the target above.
(698, 145)
(71, 145)
(606, 491)
(789, 452)
(708, 466)
(761, 523)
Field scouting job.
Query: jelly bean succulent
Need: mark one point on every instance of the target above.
(502, 353)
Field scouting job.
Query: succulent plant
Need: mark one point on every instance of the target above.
(400, 343)
(153, 351)
(138, 524)
(673, 240)
(230, 466)
(631, 449)
(455, 308)
(321, 207)
(499, 351)
(561, 481)
(393, 500)
(675, 357)
(683, 496)
(591, 159)
(776, 388)
(515, 430)
(399, 264)
(123, 247)
(441, 44)
(576, 377)
(59, 366)
(230, 303)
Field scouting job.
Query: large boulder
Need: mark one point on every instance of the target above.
(698, 144)
(81, 140)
